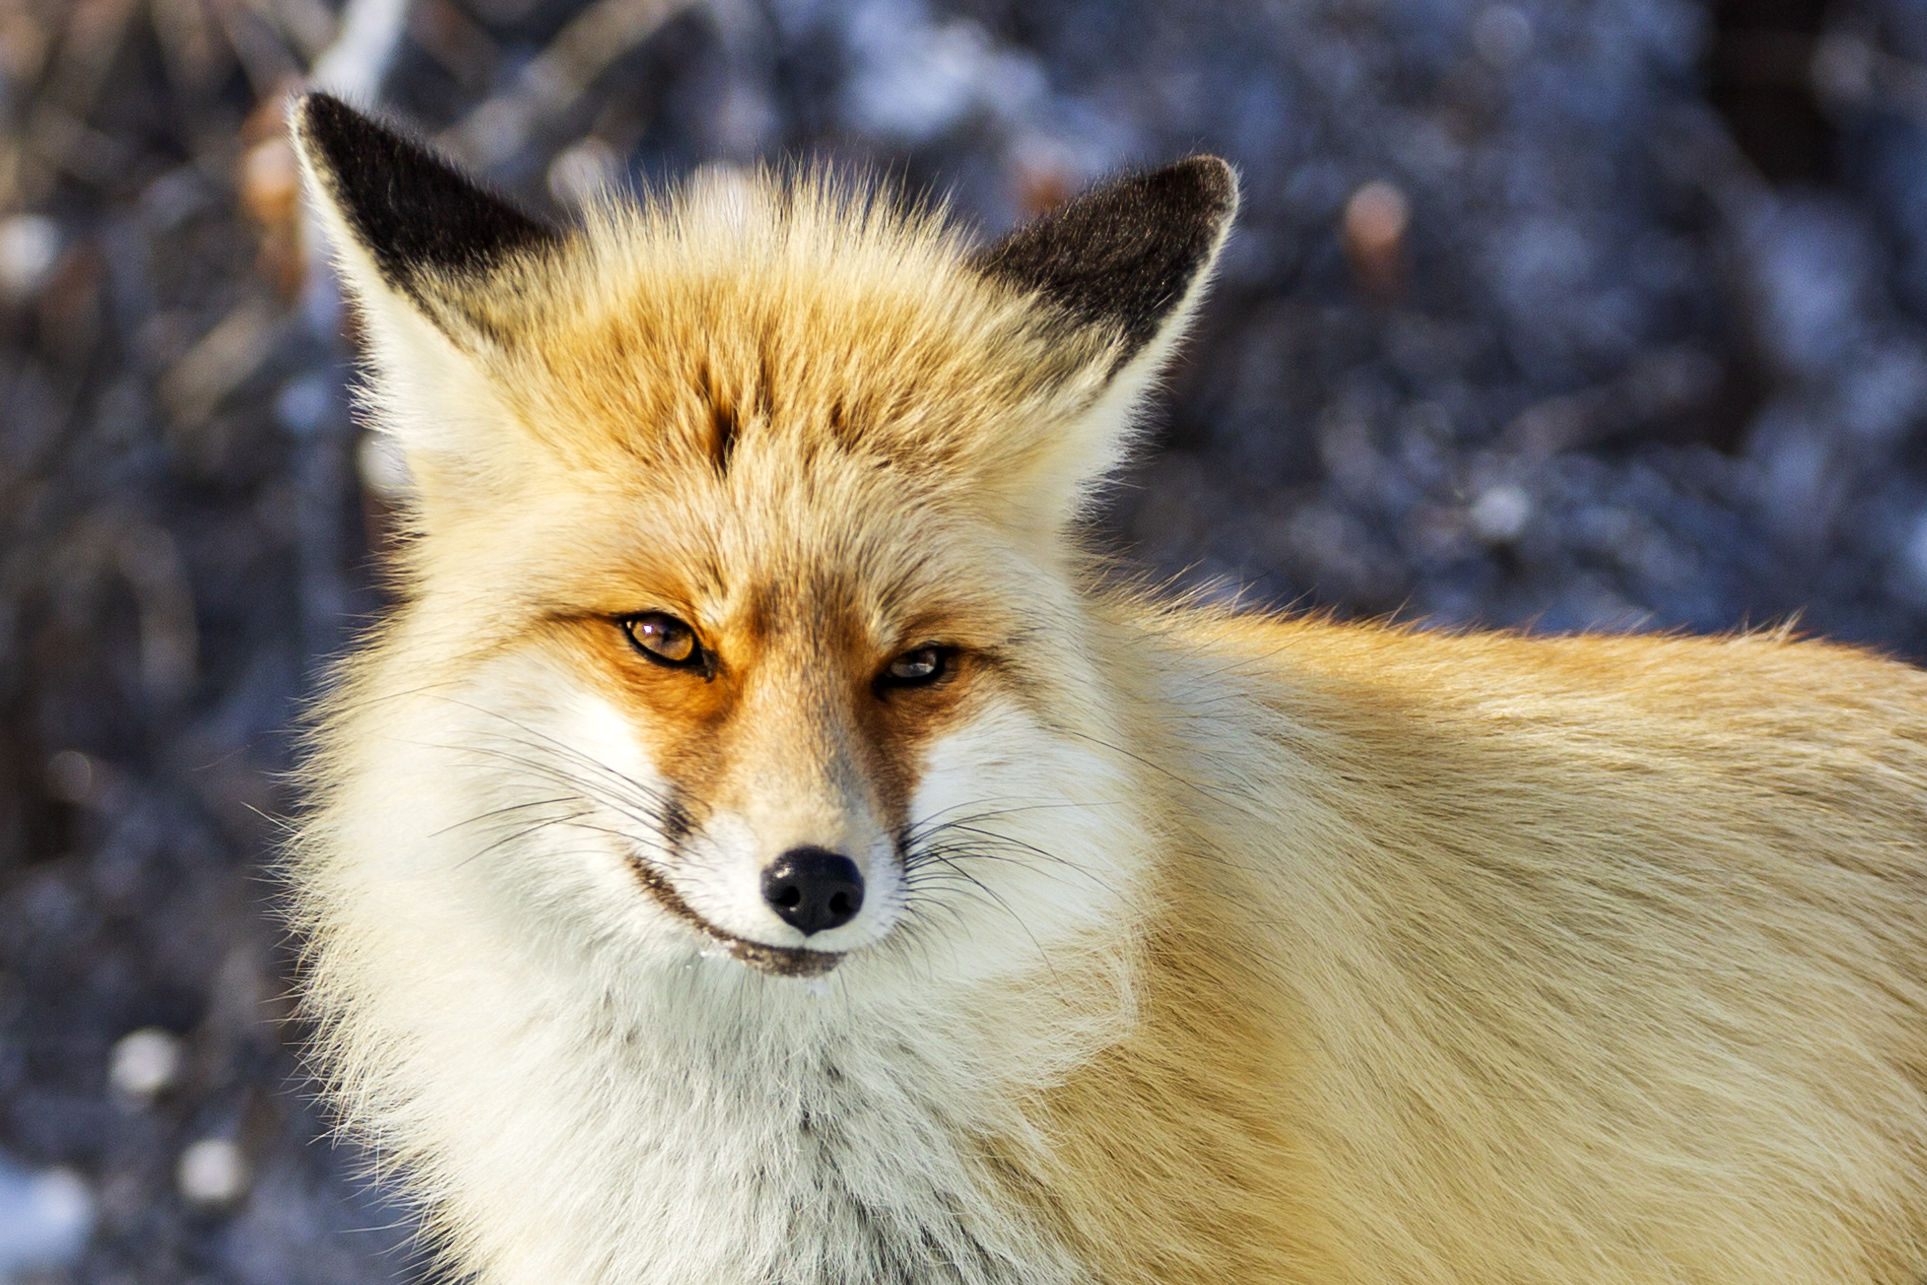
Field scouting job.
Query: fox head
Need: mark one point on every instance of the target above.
(743, 609)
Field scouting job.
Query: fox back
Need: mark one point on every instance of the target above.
(766, 844)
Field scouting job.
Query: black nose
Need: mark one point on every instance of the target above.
(813, 889)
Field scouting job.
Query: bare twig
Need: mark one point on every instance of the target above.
(365, 44)
(1849, 70)
(588, 46)
(353, 67)
(220, 361)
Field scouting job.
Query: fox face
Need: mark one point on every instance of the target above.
(738, 590)
(798, 707)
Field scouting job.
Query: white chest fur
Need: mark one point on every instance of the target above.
(581, 1094)
(724, 1130)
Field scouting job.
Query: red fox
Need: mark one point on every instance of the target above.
(768, 844)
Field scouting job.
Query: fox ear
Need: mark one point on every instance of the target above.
(441, 271)
(406, 221)
(1123, 267)
(1124, 255)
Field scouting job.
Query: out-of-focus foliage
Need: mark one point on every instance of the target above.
(1563, 313)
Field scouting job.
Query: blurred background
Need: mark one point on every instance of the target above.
(1550, 313)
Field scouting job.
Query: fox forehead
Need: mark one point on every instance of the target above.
(672, 338)
(787, 407)
(753, 552)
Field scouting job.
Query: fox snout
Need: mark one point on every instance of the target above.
(784, 850)
(813, 889)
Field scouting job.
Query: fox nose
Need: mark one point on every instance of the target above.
(813, 889)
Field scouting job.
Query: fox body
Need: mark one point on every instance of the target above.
(764, 845)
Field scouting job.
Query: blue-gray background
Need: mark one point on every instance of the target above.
(1552, 313)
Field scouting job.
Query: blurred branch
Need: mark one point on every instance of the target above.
(150, 562)
(56, 134)
(589, 45)
(353, 67)
(219, 362)
(258, 44)
(307, 23)
(1848, 70)
(365, 44)
(89, 43)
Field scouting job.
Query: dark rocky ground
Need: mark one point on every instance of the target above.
(1559, 313)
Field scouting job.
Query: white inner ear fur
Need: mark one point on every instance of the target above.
(461, 443)
(1065, 473)
(437, 402)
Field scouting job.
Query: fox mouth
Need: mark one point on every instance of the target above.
(776, 961)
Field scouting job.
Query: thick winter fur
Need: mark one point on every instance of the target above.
(1197, 946)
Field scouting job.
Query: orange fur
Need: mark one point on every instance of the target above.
(1568, 959)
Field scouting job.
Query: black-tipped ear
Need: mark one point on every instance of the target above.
(1123, 255)
(416, 215)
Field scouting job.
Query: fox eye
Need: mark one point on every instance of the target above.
(916, 667)
(664, 639)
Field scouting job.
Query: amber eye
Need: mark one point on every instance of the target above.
(916, 667)
(665, 640)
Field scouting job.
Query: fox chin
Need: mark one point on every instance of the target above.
(767, 842)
